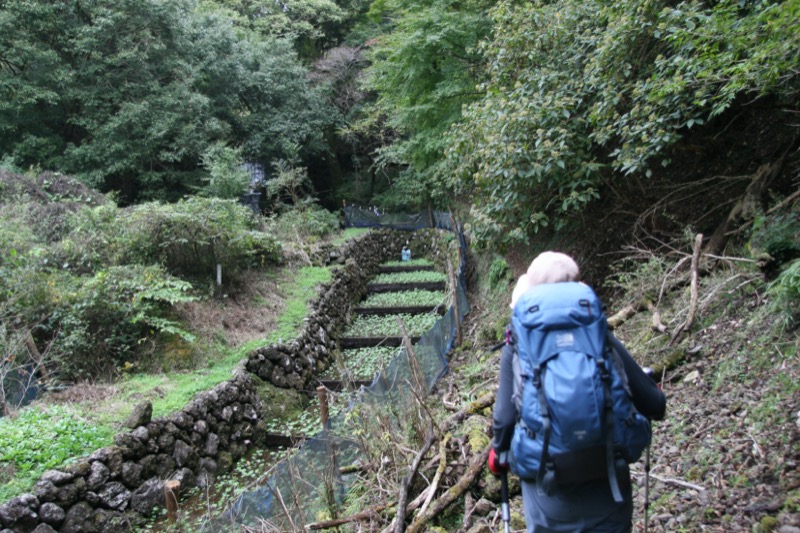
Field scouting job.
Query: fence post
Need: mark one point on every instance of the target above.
(171, 490)
(454, 287)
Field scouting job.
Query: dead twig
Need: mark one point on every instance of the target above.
(698, 243)
(400, 519)
(453, 493)
(368, 514)
(439, 471)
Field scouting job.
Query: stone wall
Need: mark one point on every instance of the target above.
(296, 364)
(116, 487)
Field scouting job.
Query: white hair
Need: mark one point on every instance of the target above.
(522, 286)
(552, 267)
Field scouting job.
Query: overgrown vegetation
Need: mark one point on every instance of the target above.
(39, 439)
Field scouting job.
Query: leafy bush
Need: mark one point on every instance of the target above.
(226, 179)
(93, 324)
(498, 272)
(305, 222)
(785, 294)
(622, 83)
(778, 236)
(188, 238)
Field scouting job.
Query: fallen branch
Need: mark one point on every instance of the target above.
(623, 314)
(480, 404)
(400, 519)
(698, 244)
(678, 482)
(630, 310)
(369, 514)
(439, 471)
(453, 493)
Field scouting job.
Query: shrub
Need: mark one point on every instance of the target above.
(777, 235)
(498, 272)
(307, 221)
(96, 323)
(227, 178)
(785, 294)
(191, 237)
(188, 238)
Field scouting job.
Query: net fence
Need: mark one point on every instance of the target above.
(306, 485)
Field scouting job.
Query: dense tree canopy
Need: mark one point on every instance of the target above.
(424, 69)
(586, 92)
(129, 94)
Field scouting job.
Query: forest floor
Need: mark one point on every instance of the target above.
(727, 456)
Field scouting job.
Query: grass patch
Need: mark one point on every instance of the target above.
(347, 234)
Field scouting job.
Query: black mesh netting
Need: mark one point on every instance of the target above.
(301, 488)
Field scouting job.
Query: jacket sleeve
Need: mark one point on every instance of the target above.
(647, 397)
(504, 416)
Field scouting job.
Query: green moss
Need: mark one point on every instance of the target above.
(766, 524)
(280, 403)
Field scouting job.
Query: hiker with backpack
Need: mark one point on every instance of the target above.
(573, 408)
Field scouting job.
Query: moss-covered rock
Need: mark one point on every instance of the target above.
(280, 403)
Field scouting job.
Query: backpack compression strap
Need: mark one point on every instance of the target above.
(546, 474)
(613, 482)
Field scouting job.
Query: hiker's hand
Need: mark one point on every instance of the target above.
(649, 372)
(498, 462)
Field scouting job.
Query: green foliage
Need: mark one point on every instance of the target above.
(306, 223)
(95, 323)
(130, 94)
(785, 294)
(290, 186)
(424, 69)
(404, 298)
(227, 179)
(421, 276)
(582, 93)
(299, 21)
(777, 235)
(387, 326)
(498, 272)
(40, 439)
(190, 237)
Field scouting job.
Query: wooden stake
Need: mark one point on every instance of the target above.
(454, 288)
(322, 394)
(171, 490)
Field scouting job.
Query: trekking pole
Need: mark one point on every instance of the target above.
(504, 509)
(649, 371)
(646, 485)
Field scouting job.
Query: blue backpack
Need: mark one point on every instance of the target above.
(576, 418)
